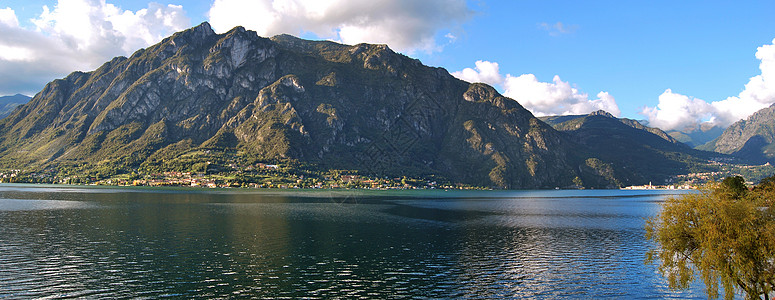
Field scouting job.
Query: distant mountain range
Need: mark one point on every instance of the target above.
(752, 139)
(698, 136)
(201, 98)
(650, 153)
(9, 103)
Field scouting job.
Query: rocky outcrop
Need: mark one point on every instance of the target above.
(752, 139)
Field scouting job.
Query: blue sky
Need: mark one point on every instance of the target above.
(633, 50)
(676, 63)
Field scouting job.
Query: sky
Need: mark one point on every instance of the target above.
(675, 64)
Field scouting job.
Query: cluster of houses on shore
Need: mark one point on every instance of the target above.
(7, 175)
(202, 180)
(660, 187)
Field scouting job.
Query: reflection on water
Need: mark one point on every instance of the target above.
(93, 242)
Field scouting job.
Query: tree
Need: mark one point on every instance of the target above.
(728, 240)
(767, 182)
(735, 186)
(577, 181)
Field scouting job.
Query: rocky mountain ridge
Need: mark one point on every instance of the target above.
(629, 145)
(253, 99)
(752, 139)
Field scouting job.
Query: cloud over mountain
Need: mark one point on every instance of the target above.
(676, 111)
(77, 35)
(541, 98)
(405, 25)
(80, 34)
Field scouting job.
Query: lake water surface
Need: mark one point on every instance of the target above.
(69, 241)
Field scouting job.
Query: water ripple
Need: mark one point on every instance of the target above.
(222, 245)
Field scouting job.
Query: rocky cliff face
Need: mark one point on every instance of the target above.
(360, 107)
(752, 139)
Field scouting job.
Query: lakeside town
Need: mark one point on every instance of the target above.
(279, 176)
(260, 175)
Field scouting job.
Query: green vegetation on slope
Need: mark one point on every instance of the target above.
(173, 106)
(637, 154)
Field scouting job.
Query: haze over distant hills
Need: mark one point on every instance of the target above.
(248, 99)
(698, 136)
(9, 103)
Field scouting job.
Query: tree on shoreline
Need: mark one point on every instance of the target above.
(725, 234)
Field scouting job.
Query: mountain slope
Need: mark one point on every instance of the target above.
(199, 96)
(9, 103)
(627, 144)
(752, 139)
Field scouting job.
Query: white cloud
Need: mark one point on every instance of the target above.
(103, 29)
(485, 71)
(676, 111)
(12, 53)
(451, 38)
(558, 28)
(77, 35)
(541, 98)
(8, 17)
(405, 25)
(555, 98)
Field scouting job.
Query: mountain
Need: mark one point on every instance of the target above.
(9, 103)
(752, 139)
(697, 136)
(628, 145)
(200, 98)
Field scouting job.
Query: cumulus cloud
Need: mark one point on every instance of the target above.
(8, 17)
(676, 111)
(555, 98)
(99, 27)
(405, 25)
(484, 71)
(76, 35)
(541, 98)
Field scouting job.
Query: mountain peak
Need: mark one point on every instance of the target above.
(237, 29)
(752, 138)
(601, 113)
(285, 36)
(204, 27)
(356, 107)
(200, 32)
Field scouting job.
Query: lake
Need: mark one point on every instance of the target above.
(96, 242)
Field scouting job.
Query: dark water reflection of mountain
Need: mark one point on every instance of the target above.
(125, 242)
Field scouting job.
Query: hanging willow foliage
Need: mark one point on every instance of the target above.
(722, 234)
